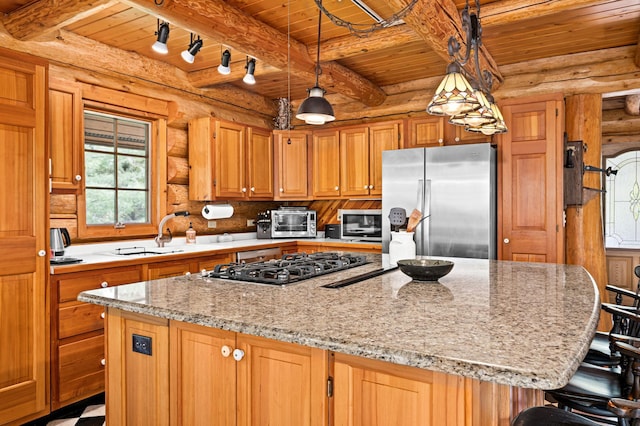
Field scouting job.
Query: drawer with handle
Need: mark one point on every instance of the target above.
(70, 285)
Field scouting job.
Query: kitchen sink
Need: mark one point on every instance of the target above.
(144, 251)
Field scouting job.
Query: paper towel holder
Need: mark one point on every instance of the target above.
(217, 211)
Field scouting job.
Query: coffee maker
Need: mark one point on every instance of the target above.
(263, 225)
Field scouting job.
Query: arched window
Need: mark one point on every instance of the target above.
(622, 201)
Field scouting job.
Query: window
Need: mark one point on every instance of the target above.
(116, 158)
(622, 201)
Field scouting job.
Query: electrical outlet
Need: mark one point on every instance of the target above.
(142, 344)
(211, 224)
(251, 222)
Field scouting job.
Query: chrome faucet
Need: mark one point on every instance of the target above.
(160, 238)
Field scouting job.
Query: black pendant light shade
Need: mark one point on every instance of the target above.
(189, 54)
(250, 67)
(225, 58)
(316, 109)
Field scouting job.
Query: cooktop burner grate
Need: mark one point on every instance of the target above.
(291, 268)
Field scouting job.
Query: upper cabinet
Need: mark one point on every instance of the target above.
(291, 164)
(65, 126)
(325, 170)
(437, 131)
(361, 157)
(229, 161)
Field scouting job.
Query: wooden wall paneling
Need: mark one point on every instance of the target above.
(177, 142)
(177, 170)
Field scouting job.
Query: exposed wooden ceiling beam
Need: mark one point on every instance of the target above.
(218, 20)
(43, 17)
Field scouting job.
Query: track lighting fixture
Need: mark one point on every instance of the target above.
(224, 68)
(160, 45)
(250, 67)
(194, 46)
(316, 109)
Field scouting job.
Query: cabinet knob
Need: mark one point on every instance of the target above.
(457, 139)
(103, 361)
(238, 354)
(370, 186)
(506, 241)
(244, 189)
(281, 189)
(78, 178)
(440, 141)
(42, 253)
(225, 351)
(366, 187)
(102, 315)
(253, 189)
(104, 284)
(336, 187)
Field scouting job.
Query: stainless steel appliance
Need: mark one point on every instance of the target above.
(454, 187)
(263, 225)
(59, 239)
(290, 268)
(361, 225)
(293, 222)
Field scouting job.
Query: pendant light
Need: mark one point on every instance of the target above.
(160, 45)
(316, 109)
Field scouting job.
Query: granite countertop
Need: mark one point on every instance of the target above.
(514, 323)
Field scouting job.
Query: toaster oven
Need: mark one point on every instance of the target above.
(293, 222)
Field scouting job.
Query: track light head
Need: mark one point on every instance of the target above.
(250, 67)
(160, 45)
(224, 68)
(190, 53)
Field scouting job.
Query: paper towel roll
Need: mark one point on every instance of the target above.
(217, 211)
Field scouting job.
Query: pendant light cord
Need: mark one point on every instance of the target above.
(318, 69)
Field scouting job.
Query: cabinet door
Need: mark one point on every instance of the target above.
(168, 269)
(259, 163)
(425, 132)
(291, 157)
(531, 178)
(203, 376)
(456, 135)
(382, 137)
(201, 159)
(281, 383)
(229, 140)
(326, 160)
(23, 240)
(354, 162)
(65, 130)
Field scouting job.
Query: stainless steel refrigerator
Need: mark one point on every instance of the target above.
(454, 187)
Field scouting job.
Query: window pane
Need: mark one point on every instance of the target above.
(99, 132)
(132, 207)
(101, 206)
(132, 172)
(99, 169)
(622, 201)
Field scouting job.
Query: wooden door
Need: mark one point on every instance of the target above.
(230, 160)
(65, 130)
(382, 137)
(326, 164)
(530, 175)
(24, 207)
(203, 376)
(354, 162)
(291, 153)
(201, 159)
(425, 132)
(281, 383)
(259, 163)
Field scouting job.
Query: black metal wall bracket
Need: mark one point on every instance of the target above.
(575, 193)
(608, 171)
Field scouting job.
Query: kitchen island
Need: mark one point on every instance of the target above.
(489, 327)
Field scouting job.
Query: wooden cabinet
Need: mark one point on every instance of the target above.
(291, 165)
(211, 377)
(325, 164)
(361, 157)
(530, 185)
(429, 131)
(24, 242)
(173, 268)
(65, 140)
(77, 350)
(229, 161)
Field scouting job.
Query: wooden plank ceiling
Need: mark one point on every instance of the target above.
(364, 69)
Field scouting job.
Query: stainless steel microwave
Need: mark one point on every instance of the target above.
(289, 222)
(360, 225)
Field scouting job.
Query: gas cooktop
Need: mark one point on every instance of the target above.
(289, 269)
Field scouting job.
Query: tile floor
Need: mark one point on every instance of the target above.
(89, 412)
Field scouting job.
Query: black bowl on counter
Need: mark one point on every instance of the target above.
(425, 269)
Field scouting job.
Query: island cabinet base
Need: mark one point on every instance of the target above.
(196, 375)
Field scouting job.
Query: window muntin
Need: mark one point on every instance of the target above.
(117, 168)
(622, 201)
